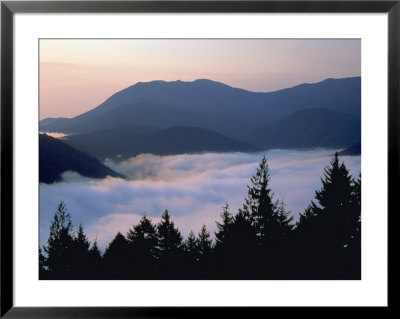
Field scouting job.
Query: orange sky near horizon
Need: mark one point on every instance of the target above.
(77, 75)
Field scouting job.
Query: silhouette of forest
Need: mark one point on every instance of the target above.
(260, 241)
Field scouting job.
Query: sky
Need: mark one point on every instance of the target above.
(78, 75)
(194, 188)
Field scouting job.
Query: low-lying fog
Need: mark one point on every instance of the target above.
(54, 134)
(192, 187)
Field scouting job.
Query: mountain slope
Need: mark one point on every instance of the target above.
(212, 105)
(56, 157)
(309, 128)
(124, 142)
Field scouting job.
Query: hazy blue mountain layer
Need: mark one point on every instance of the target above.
(126, 141)
(309, 128)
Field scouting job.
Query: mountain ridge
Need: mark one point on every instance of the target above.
(309, 128)
(56, 157)
(123, 142)
(210, 101)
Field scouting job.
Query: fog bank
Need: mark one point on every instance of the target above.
(192, 187)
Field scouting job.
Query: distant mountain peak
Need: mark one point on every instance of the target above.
(179, 81)
(207, 81)
(330, 80)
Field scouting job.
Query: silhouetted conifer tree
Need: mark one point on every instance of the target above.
(224, 244)
(243, 244)
(95, 261)
(335, 204)
(204, 250)
(204, 242)
(223, 228)
(357, 209)
(327, 228)
(355, 217)
(169, 237)
(80, 257)
(143, 244)
(270, 222)
(191, 246)
(191, 258)
(353, 250)
(81, 240)
(279, 227)
(306, 219)
(59, 247)
(259, 200)
(357, 191)
(170, 247)
(277, 246)
(42, 265)
(115, 259)
(269, 218)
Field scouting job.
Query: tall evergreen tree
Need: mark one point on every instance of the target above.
(143, 243)
(356, 216)
(354, 244)
(204, 242)
(328, 228)
(259, 199)
(270, 224)
(42, 265)
(268, 217)
(169, 237)
(204, 250)
(115, 259)
(224, 244)
(170, 247)
(283, 220)
(243, 248)
(95, 260)
(81, 239)
(223, 228)
(190, 247)
(80, 256)
(59, 247)
(144, 236)
(335, 204)
(306, 219)
(357, 191)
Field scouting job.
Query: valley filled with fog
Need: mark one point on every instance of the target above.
(200, 159)
(193, 187)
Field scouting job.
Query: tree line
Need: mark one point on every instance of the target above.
(260, 241)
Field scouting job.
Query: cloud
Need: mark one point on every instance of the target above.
(192, 187)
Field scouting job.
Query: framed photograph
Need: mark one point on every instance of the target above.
(162, 155)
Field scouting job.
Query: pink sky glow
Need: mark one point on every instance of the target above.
(78, 75)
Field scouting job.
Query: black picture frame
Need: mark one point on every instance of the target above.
(9, 8)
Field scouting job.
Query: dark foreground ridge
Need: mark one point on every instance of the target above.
(56, 157)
